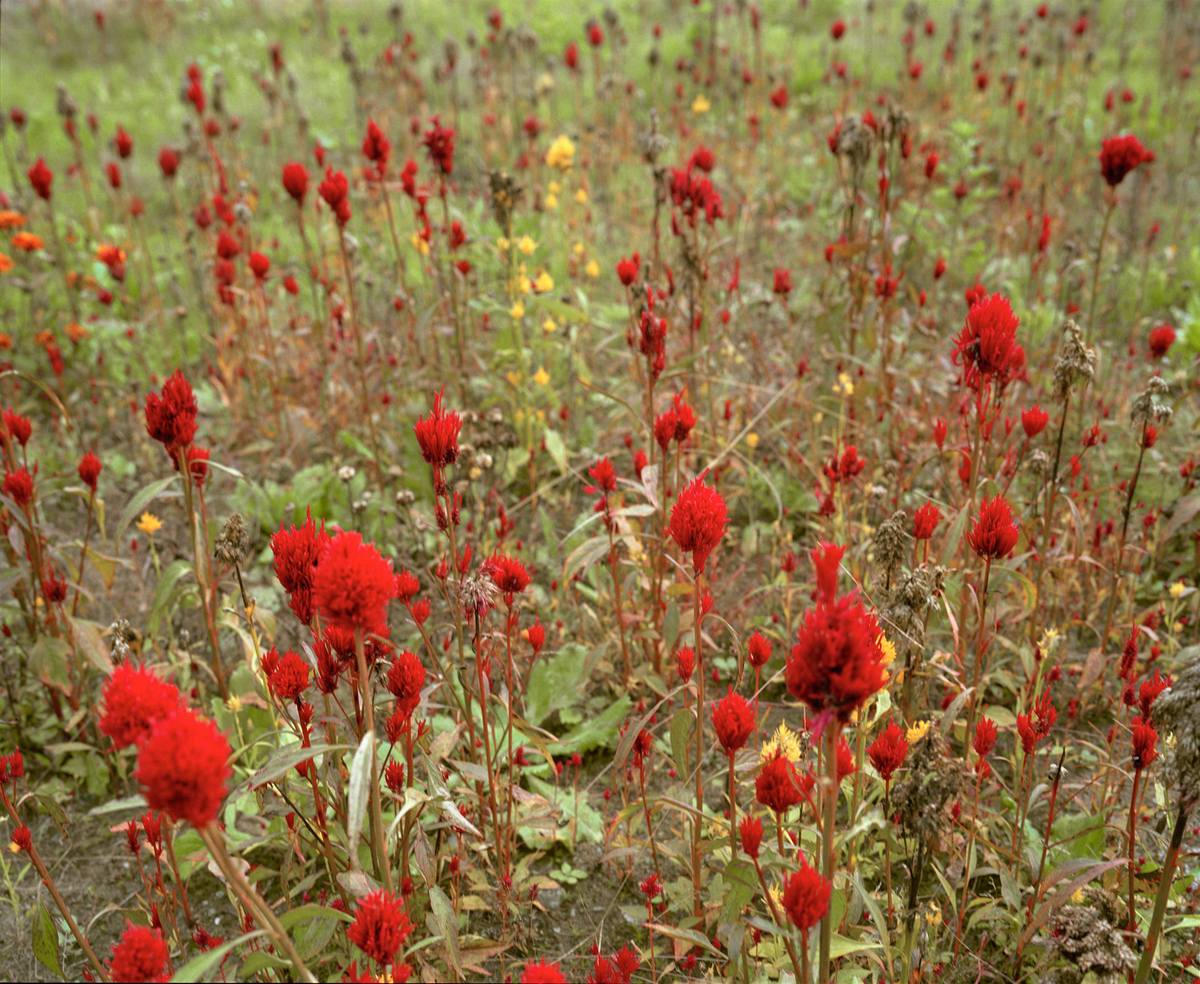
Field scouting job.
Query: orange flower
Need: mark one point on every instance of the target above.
(27, 241)
(5, 342)
(44, 338)
(11, 220)
(76, 332)
(6, 263)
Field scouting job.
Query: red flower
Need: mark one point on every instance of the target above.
(18, 426)
(1161, 340)
(18, 486)
(54, 588)
(985, 737)
(537, 637)
(925, 521)
(123, 142)
(751, 829)
(995, 531)
(295, 181)
(806, 897)
(171, 417)
(227, 246)
(353, 584)
(41, 177)
(134, 699)
(288, 677)
(1148, 693)
(420, 610)
(779, 786)
(114, 174)
(380, 926)
(376, 147)
(888, 750)
(297, 552)
(604, 475)
(141, 955)
(1145, 743)
(845, 761)
(1120, 155)
(406, 586)
(335, 189)
(837, 29)
(508, 574)
(571, 56)
(439, 141)
(627, 270)
(698, 521)
(290, 285)
(685, 663)
(733, 720)
(783, 281)
(182, 767)
(259, 265)
(195, 95)
(779, 97)
(405, 678)
(758, 648)
(931, 163)
(684, 418)
(595, 35)
(1035, 726)
(438, 436)
(627, 963)
(168, 162)
(1034, 420)
(987, 345)
(23, 838)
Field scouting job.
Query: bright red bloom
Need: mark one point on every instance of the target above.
(779, 785)
(733, 720)
(171, 417)
(985, 737)
(846, 766)
(18, 486)
(168, 162)
(837, 29)
(542, 972)
(806, 897)
(1161, 340)
(406, 586)
(439, 141)
(508, 574)
(353, 584)
(888, 750)
(295, 181)
(987, 345)
(19, 426)
(41, 177)
(259, 265)
(685, 663)
(925, 521)
(141, 955)
(1148, 693)
(23, 838)
(627, 963)
(182, 767)
(289, 675)
(664, 429)
(758, 649)
(380, 926)
(604, 475)
(537, 637)
(595, 34)
(698, 521)
(779, 97)
(405, 678)
(227, 246)
(89, 470)
(827, 560)
(1120, 155)
(684, 418)
(123, 142)
(995, 531)
(195, 95)
(1145, 743)
(134, 699)
(297, 552)
(114, 174)
(571, 56)
(783, 281)
(335, 189)
(627, 270)
(1034, 420)
(376, 147)
(438, 436)
(1036, 725)
(751, 829)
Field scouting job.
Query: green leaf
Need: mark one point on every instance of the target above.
(743, 886)
(139, 502)
(557, 449)
(584, 555)
(600, 732)
(683, 724)
(555, 683)
(105, 566)
(953, 536)
(48, 660)
(360, 790)
(198, 968)
(87, 637)
(165, 591)
(840, 946)
(671, 626)
(447, 924)
(45, 941)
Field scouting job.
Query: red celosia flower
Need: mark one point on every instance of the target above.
(837, 29)
(537, 637)
(114, 174)
(182, 767)
(353, 584)
(438, 436)
(419, 610)
(733, 720)
(542, 972)
(995, 531)
(54, 588)
(1120, 155)
(393, 775)
(985, 737)
(295, 181)
(376, 147)
(1145, 743)
(406, 586)
(1161, 340)
(595, 34)
(227, 246)
(89, 470)
(380, 926)
(134, 699)
(685, 663)
(846, 765)
(297, 552)
(18, 426)
(41, 177)
(888, 750)
(627, 270)
(783, 281)
(925, 521)
(627, 963)
(1129, 655)
(259, 265)
(987, 345)
(18, 486)
(439, 141)
(16, 764)
(171, 417)
(604, 475)
(779, 97)
(1034, 420)
(827, 560)
(758, 649)
(1035, 726)
(168, 162)
(664, 429)
(289, 678)
(1148, 693)
(405, 678)
(508, 574)
(335, 189)
(751, 829)
(141, 955)
(23, 838)
(698, 521)
(571, 56)
(123, 142)
(806, 897)
(684, 418)
(779, 785)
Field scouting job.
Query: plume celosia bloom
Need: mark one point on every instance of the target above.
(438, 436)
(439, 141)
(297, 552)
(18, 486)
(295, 181)
(353, 584)
(1161, 340)
(758, 650)
(987, 346)
(182, 767)
(806, 897)
(380, 926)
(405, 678)
(171, 416)
(134, 699)
(887, 751)
(733, 721)
(995, 531)
(508, 574)
(41, 177)
(751, 830)
(1121, 154)
(925, 521)
(698, 521)
(542, 972)
(779, 785)
(140, 955)
(1034, 420)
(288, 676)
(89, 470)
(1145, 743)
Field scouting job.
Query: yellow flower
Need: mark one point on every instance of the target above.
(561, 154)
(1077, 896)
(552, 201)
(934, 915)
(592, 269)
(76, 332)
(524, 284)
(578, 248)
(581, 196)
(554, 187)
(517, 311)
(234, 704)
(1177, 589)
(783, 740)
(752, 440)
(776, 896)
(526, 245)
(917, 732)
(503, 244)
(419, 244)
(889, 650)
(514, 378)
(541, 377)
(544, 283)
(548, 326)
(844, 385)
(149, 524)
(6, 263)
(701, 104)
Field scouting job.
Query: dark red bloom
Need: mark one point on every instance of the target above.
(54, 588)
(627, 270)
(182, 767)
(751, 829)
(380, 926)
(353, 584)
(1161, 340)
(925, 521)
(595, 34)
(114, 174)
(134, 699)
(439, 141)
(405, 678)
(168, 162)
(123, 142)
(140, 955)
(783, 281)
(41, 177)
(295, 181)
(698, 521)
(1034, 420)
(259, 265)
(685, 663)
(995, 531)
(758, 649)
(733, 720)
(1148, 693)
(1036, 725)
(779, 785)
(1145, 743)
(438, 436)
(837, 29)
(985, 737)
(846, 765)
(335, 189)
(18, 486)
(18, 426)
(887, 751)
(987, 345)
(376, 147)
(779, 97)
(806, 897)
(171, 417)
(542, 972)
(89, 470)
(1120, 155)
(23, 838)
(571, 56)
